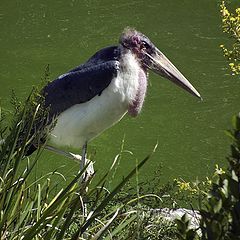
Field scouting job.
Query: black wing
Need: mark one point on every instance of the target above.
(78, 86)
(104, 55)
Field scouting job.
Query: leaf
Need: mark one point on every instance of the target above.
(216, 230)
(191, 234)
(181, 226)
(100, 233)
(121, 226)
(234, 188)
(236, 122)
(67, 221)
(217, 206)
(229, 134)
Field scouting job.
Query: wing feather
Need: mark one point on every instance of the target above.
(79, 86)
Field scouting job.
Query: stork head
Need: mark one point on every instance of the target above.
(150, 57)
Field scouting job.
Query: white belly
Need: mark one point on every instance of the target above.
(83, 122)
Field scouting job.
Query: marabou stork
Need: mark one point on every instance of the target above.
(97, 94)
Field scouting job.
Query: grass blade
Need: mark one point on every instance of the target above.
(100, 233)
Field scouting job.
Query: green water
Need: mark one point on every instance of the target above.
(190, 133)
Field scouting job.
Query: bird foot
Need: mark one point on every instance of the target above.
(89, 170)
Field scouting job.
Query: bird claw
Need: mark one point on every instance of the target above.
(89, 170)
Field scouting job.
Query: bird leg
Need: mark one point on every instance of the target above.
(76, 157)
(83, 162)
(84, 178)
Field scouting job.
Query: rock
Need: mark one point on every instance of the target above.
(172, 214)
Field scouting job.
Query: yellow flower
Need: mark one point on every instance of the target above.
(184, 186)
(225, 12)
(209, 181)
(218, 170)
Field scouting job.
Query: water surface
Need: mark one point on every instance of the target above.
(189, 133)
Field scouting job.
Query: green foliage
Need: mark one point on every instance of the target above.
(221, 213)
(231, 26)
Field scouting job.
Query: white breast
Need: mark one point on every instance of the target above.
(83, 122)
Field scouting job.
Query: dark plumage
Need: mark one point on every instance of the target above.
(83, 82)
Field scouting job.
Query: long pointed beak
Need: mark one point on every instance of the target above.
(161, 65)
